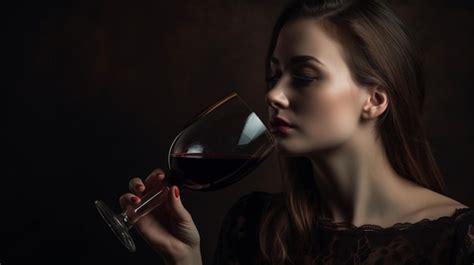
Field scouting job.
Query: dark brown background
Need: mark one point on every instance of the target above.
(100, 89)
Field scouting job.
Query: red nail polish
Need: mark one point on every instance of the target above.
(135, 199)
(139, 187)
(176, 192)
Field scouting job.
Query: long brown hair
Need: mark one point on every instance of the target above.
(379, 52)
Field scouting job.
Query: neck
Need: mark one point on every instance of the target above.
(357, 183)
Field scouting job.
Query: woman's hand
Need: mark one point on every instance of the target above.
(169, 228)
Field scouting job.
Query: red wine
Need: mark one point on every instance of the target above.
(211, 171)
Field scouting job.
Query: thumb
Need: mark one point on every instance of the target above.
(180, 213)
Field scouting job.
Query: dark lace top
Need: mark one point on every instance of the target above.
(445, 240)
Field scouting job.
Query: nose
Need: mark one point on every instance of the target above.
(276, 97)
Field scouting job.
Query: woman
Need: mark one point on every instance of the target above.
(345, 96)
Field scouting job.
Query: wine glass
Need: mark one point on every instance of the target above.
(215, 149)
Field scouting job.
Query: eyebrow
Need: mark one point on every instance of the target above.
(298, 59)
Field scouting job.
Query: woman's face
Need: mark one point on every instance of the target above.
(312, 90)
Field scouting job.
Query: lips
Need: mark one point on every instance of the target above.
(278, 121)
(280, 125)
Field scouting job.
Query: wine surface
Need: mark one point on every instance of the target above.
(210, 171)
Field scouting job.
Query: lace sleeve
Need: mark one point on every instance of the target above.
(464, 246)
(237, 241)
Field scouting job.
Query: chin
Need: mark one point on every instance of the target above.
(290, 149)
(299, 149)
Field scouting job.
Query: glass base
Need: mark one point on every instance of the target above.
(117, 224)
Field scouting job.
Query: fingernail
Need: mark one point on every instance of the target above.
(135, 199)
(176, 192)
(139, 187)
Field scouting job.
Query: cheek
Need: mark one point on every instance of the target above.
(331, 117)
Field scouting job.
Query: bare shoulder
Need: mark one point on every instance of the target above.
(436, 205)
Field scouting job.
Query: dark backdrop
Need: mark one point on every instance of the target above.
(100, 89)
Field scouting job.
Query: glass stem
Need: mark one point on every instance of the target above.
(152, 199)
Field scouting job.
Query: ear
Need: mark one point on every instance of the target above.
(375, 103)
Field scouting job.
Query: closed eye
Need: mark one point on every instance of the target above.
(297, 80)
(302, 80)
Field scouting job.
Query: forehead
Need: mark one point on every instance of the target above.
(307, 37)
